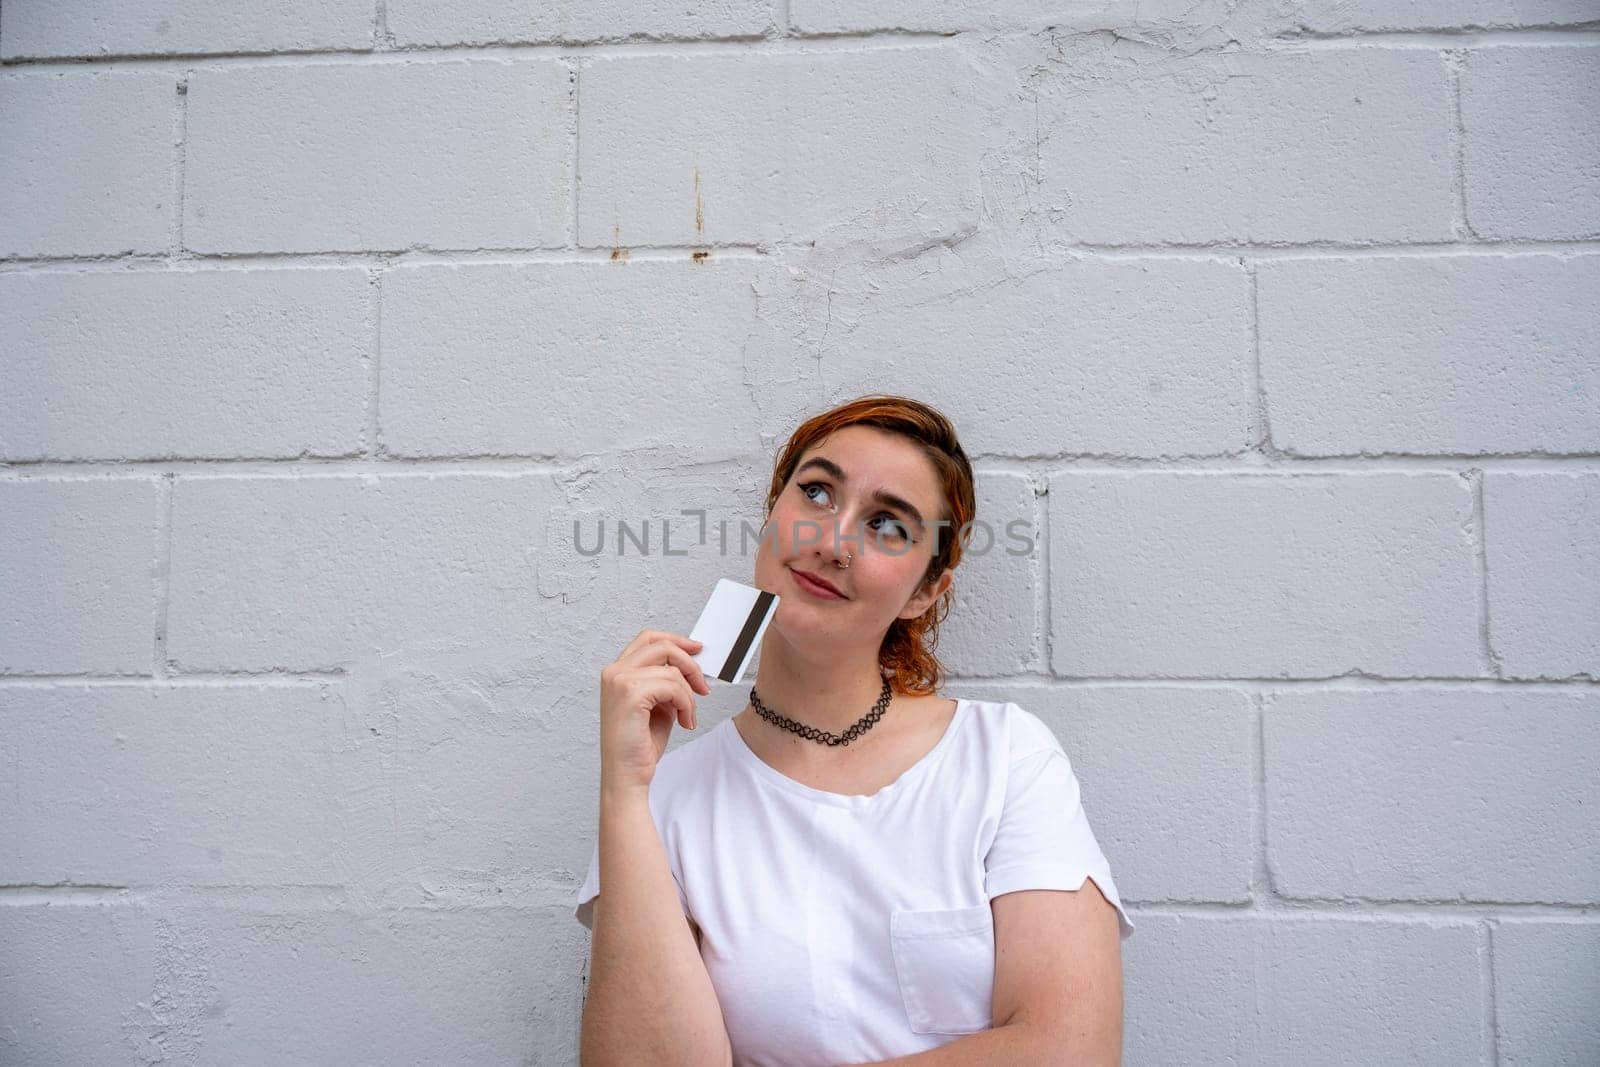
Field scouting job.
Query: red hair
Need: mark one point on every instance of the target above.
(906, 655)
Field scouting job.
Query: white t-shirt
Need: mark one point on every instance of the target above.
(843, 929)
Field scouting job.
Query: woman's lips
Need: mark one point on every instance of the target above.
(804, 581)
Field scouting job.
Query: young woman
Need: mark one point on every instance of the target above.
(854, 868)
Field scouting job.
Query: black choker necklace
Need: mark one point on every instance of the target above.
(811, 733)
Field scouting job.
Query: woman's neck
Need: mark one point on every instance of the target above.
(830, 694)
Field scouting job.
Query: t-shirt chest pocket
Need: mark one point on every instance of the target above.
(944, 961)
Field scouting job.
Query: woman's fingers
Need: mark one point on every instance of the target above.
(671, 688)
(678, 651)
(646, 637)
(643, 692)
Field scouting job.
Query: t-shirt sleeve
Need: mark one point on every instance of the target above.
(583, 902)
(1043, 840)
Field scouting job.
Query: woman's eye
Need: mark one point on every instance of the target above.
(896, 529)
(807, 486)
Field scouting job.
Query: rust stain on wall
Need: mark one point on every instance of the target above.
(699, 255)
(699, 212)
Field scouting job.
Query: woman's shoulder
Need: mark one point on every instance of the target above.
(1009, 729)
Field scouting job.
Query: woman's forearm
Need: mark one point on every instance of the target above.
(650, 999)
(1015, 1043)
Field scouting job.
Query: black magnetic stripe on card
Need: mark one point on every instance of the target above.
(747, 636)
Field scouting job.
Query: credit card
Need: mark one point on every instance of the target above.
(731, 625)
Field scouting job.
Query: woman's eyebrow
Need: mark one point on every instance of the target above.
(882, 497)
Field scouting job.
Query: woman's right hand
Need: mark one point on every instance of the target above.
(650, 685)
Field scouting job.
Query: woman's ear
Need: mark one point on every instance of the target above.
(924, 597)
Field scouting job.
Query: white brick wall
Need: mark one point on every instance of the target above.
(88, 161)
(321, 323)
(364, 156)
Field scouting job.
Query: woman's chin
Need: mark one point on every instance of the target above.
(811, 634)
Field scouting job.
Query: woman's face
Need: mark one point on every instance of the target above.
(867, 498)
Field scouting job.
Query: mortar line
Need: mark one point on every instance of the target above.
(1373, 912)
(1261, 881)
(1227, 252)
(165, 494)
(1241, 462)
(180, 162)
(1043, 604)
(187, 260)
(385, 50)
(575, 76)
(16, 771)
(1486, 973)
(182, 679)
(1455, 62)
(1261, 435)
(512, 465)
(22, 896)
(371, 429)
(1543, 35)
(1480, 557)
